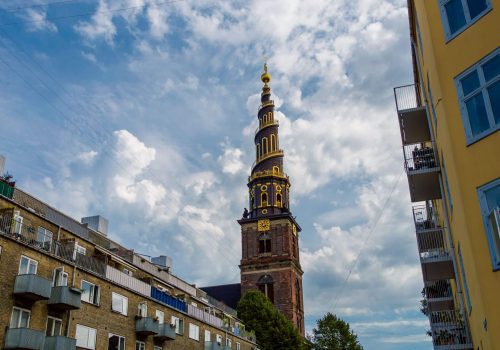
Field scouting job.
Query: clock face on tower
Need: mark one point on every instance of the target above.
(263, 225)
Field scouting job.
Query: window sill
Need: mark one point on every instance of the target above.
(449, 38)
(472, 140)
(119, 313)
(90, 303)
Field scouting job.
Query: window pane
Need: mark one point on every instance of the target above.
(14, 320)
(57, 327)
(455, 14)
(32, 267)
(50, 324)
(491, 69)
(494, 94)
(23, 266)
(86, 289)
(82, 335)
(117, 303)
(477, 114)
(476, 7)
(493, 197)
(25, 318)
(470, 82)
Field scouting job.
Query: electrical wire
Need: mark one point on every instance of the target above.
(20, 8)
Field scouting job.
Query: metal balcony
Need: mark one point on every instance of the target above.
(449, 331)
(412, 115)
(439, 295)
(213, 345)
(146, 326)
(24, 339)
(422, 168)
(165, 332)
(437, 263)
(59, 342)
(32, 287)
(65, 298)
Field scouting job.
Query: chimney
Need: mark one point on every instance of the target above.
(163, 261)
(97, 223)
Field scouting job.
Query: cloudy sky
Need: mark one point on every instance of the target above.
(143, 111)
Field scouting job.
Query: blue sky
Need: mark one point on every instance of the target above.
(143, 111)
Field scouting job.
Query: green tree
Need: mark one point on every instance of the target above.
(272, 329)
(332, 333)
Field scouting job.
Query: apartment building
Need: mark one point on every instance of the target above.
(449, 120)
(66, 285)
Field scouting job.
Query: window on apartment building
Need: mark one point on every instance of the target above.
(489, 200)
(179, 325)
(60, 278)
(479, 95)
(54, 326)
(27, 266)
(79, 250)
(238, 346)
(44, 238)
(457, 15)
(194, 332)
(160, 315)
(139, 345)
(218, 338)
(17, 222)
(264, 244)
(20, 318)
(229, 343)
(142, 309)
(464, 279)
(116, 342)
(119, 303)
(207, 335)
(85, 337)
(90, 292)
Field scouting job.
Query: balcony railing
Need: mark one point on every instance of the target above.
(32, 287)
(213, 345)
(432, 246)
(65, 298)
(438, 290)
(263, 125)
(266, 103)
(59, 343)
(449, 330)
(24, 338)
(407, 97)
(267, 156)
(168, 299)
(6, 189)
(128, 281)
(420, 157)
(425, 218)
(165, 332)
(145, 326)
(204, 316)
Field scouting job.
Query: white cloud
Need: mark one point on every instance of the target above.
(36, 20)
(230, 159)
(87, 157)
(100, 26)
(89, 56)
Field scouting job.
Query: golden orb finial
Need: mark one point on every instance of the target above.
(265, 77)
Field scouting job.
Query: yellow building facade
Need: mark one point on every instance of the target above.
(449, 122)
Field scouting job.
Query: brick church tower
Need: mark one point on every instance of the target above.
(269, 234)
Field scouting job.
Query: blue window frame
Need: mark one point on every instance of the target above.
(489, 200)
(464, 280)
(478, 90)
(458, 15)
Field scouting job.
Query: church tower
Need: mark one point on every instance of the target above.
(269, 233)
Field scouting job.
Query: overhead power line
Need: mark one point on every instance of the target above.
(20, 8)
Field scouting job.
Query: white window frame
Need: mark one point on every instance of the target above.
(17, 222)
(142, 309)
(218, 338)
(79, 249)
(208, 335)
(124, 303)
(194, 332)
(486, 212)
(229, 342)
(468, 20)
(59, 277)
(120, 338)
(44, 233)
(30, 262)
(94, 295)
(483, 90)
(238, 346)
(160, 315)
(89, 342)
(140, 345)
(54, 321)
(21, 311)
(178, 323)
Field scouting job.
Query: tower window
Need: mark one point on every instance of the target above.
(263, 199)
(264, 244)
(265, 285)
(273, 142)
(264, 146)
(278, 199)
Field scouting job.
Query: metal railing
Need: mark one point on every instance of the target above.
(278, 152)
(432, 246)
(440, 289)
(204, 316)
(420, 156)
(23, 232)
(448, 328)
(407, 97)
(266, 103)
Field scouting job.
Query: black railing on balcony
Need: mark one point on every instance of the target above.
(448, 329)
(438, 290)
(425, 218)
(407, 97)
(421, 156)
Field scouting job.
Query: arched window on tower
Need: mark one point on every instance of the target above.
(278, 200)
(263, 199)
(273, 142)
(258, 150)
(294, 247)
(265, 244)
(265, 145)
(265, 285)
(276, 170)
